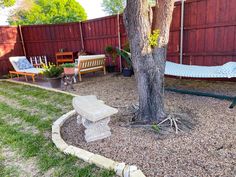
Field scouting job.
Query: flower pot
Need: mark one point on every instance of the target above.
(69, 71)
(111, 69)
(127, 72)
(55, 82)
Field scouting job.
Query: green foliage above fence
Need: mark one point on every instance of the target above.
(49, 12)
(7, 3)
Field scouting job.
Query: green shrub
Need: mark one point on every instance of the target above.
(111, 52)
(68, 65)
(52, 71)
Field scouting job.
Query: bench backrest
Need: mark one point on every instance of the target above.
(90, 63)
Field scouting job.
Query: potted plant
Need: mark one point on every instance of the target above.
(61, 50)
(127, 70)
(53, 74)
(112, 54)
(69, 68)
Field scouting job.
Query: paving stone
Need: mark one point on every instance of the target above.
(128, 170)
(70, 150)
(59, 142)
(80, 153)
(103, 162)
(63, 118)
(119, 168)
(56, 129)
(137, 173)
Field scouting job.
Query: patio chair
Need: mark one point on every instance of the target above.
(38, 61)
(23, 67)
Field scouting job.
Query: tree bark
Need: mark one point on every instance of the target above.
(148, 62)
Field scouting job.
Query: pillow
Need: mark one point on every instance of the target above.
(23, 63)
(227, 68)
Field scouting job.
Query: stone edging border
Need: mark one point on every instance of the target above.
(121, 169)
(37, 86)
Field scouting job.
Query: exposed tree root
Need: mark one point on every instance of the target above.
(173, 122)
(135, 112)
(173, 118)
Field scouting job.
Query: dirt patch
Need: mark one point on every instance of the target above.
(24, 167)
(208, 149)
(24, 126)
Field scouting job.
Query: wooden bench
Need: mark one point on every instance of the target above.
(91, 63)
(94, 115)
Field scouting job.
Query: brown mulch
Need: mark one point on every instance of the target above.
(208, 149)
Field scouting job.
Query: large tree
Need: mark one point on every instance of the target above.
(48, 12)
(143, 24)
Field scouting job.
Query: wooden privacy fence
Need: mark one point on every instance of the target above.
(209, 35)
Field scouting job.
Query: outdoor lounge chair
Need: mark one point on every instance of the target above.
(23, 67)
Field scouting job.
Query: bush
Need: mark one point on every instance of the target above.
(52, 71)
(112, 53)
(68, 65)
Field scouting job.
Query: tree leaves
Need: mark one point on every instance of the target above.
(113, 7)
(49, 12)
(7, 3)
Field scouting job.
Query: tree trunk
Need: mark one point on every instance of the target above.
(148, 62)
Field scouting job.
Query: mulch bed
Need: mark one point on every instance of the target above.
(207, 149)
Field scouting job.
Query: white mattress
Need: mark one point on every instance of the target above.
(33, 70)
(194, 71)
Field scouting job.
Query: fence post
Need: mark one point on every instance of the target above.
(181, 32)
(22, 40)
(81, 35)
(119, 40)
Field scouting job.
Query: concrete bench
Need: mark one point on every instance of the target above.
(94, 115)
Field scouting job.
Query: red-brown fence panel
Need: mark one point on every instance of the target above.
(99, 33)
(209, 32)
(10, 45)
(49, 39)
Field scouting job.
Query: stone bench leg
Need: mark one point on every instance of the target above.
(95, 130)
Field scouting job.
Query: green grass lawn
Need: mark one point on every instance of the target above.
(26, 116)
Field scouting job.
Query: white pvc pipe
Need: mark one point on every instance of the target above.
(182, 32)
(119, 40)
(81, 35)
(22, 40)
